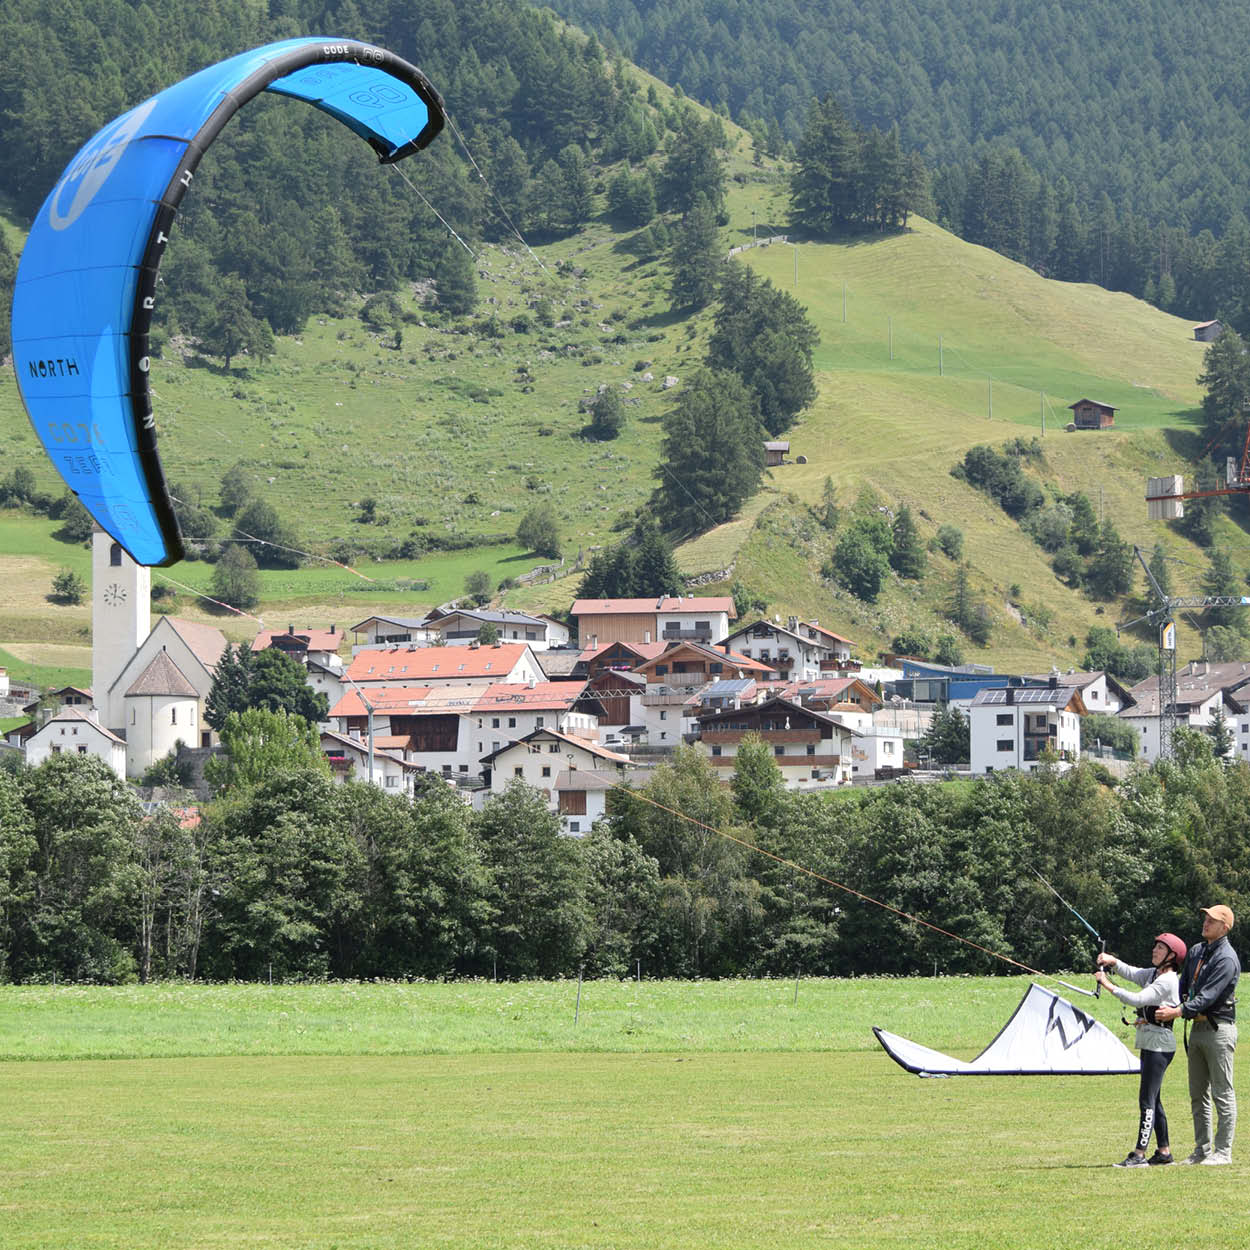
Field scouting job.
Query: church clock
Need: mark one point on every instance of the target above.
(114, 595)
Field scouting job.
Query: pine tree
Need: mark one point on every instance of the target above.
(695, 258)
(908, 558)
(713, 453)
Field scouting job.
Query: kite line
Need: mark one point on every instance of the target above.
(866, 898)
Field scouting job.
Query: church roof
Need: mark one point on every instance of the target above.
(206, 642)
(163, 677)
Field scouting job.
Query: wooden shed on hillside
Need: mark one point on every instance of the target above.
(776, 452)
(1089, 414)
(1208, 331)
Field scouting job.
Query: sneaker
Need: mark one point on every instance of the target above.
(1133, 1161)
(1198, 1156)
(1159, 1158)
(1216, 1158)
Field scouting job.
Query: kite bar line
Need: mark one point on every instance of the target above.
(451, 121)
(434, 210)
(789, 863)
(1064, 901)
(199, 594)
(264, 542)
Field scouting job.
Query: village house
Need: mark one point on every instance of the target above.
(412, 665)
(433, 727)
(665, 619)
(461, 626)
(675, 679)
(541, 758)
(794, 655)
(1014, 727)
(841, 647)
(1089, 414)
(389, 631)
(1202, 688)
(320, 646)
(808, 746)
(582, 797)
(509, 711)
(349, 761)
(1100, 692)
(72, 732)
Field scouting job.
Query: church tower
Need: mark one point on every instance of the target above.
(121, 619)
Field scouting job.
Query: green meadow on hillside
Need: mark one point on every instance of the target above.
(718, 1114)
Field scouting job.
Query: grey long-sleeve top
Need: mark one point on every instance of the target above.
(1163, 991)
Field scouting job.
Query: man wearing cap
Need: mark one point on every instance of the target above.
(1208, 986)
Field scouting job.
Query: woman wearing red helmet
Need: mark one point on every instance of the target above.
(1160, 988)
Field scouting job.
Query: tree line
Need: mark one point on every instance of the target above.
(289, 873)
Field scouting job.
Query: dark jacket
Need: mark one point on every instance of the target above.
(1212, 992)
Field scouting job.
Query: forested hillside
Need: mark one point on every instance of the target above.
(1094, 141)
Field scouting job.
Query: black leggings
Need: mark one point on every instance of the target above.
(1154, 1063)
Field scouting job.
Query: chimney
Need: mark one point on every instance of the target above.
(1054, 681)
(725, 645)
(332, 628)
(646, 637)
(594, 642)
(1011, 694)
(290, 629)
(792, 623)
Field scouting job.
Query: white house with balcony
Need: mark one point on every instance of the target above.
(541, 758)
(348, 758)
(1014, 727)
(796, 657)
(457, 627)
(72, 732)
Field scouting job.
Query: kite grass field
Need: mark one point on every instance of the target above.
(704, 1114)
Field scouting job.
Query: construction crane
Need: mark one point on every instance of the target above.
(1162, 618)
(1165, 495)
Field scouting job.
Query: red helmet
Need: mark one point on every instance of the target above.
(1175, 945)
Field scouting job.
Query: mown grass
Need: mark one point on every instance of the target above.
(770, 1125)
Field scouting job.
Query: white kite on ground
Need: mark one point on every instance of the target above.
(1046, 1036)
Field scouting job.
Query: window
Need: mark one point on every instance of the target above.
(663, 737)
(716, 751)
(173, 715)
(115, 555)
(575, 826)
(779, 750)
(511, 722)
(464, 768)
(704, 627)
(494, 746)
(539, 722)
(811, 748)
(661, 670)
(553, 748)
(546, 770)
(663, 715)
(887, 748)
(518, 771)
(494, 722)
(82, 748)
(1003, 718)
(715, 668)
(1005, 744)
(132, 716)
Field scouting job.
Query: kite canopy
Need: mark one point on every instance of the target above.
(1046, 1036)
(86, 283)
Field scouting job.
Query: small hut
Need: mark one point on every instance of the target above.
(1089, 414)
(775, 453)
(1208, 331)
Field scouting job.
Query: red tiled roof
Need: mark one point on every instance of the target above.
(820, 629)
(400, 664)
(384, 699)
(539, 697)
(643, 650)
(732, 658)
(313, 639)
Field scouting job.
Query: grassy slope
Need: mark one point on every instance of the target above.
(442, 429)
(768, 1124)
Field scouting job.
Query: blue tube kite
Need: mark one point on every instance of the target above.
(86, 282)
